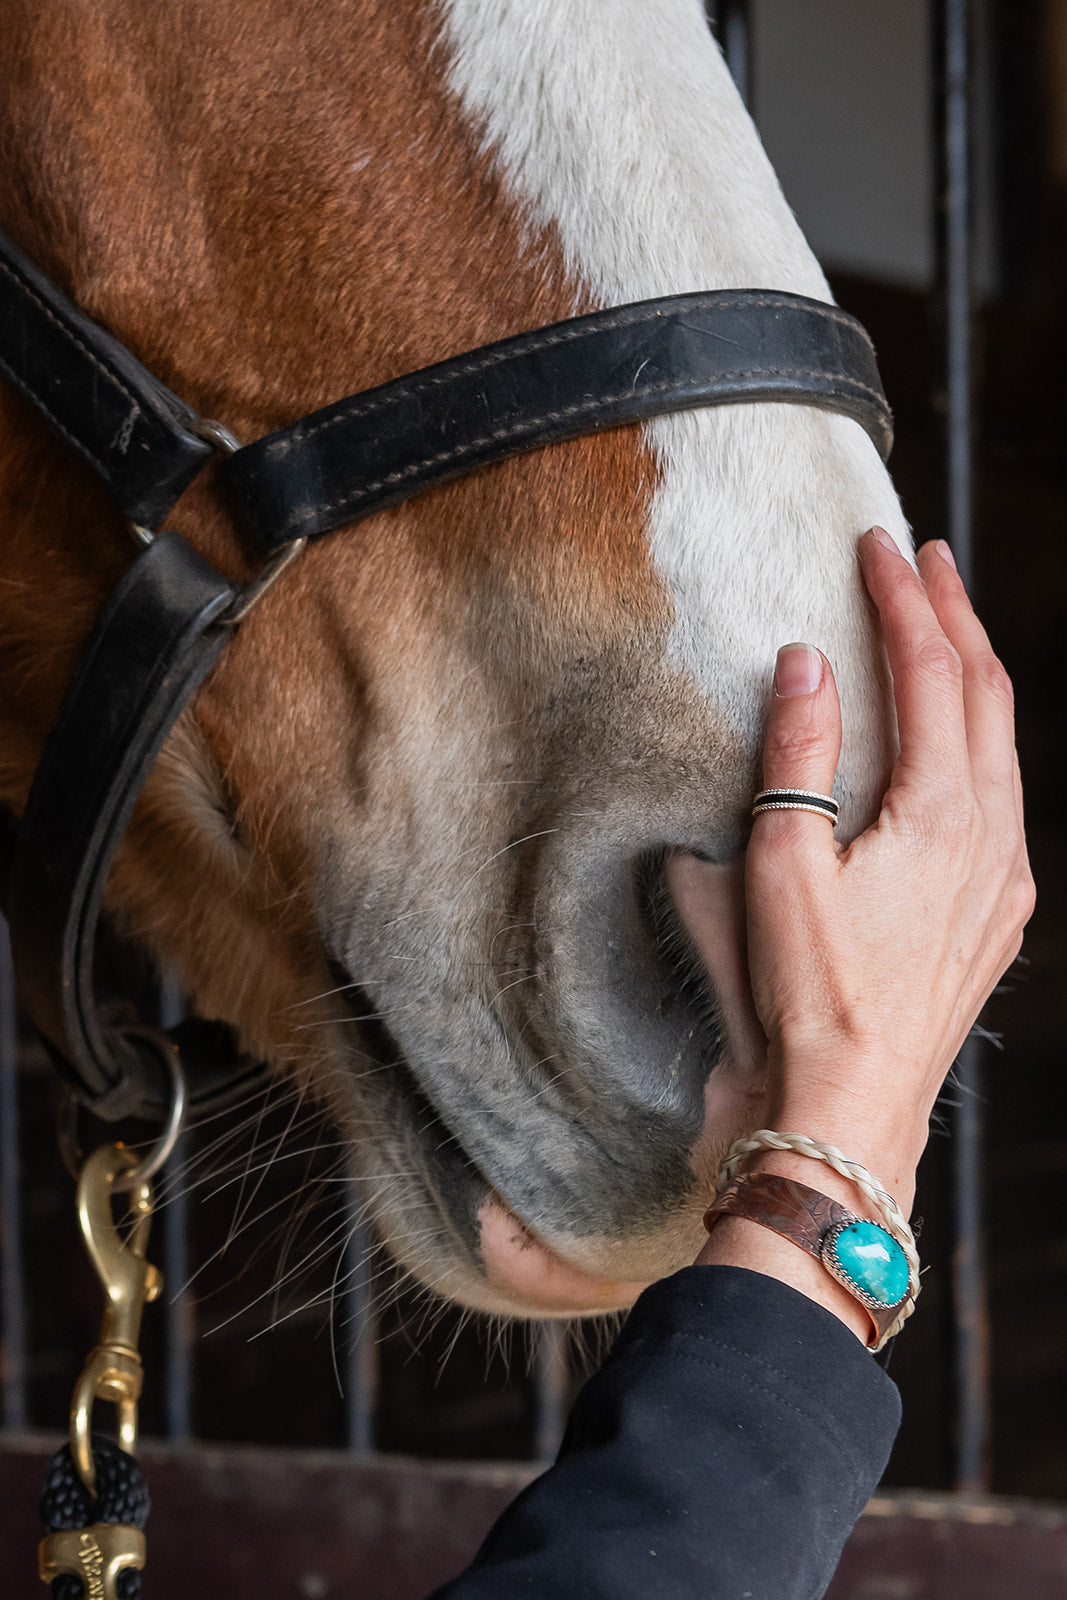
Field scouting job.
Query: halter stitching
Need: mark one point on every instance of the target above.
(473, 445)
(533, 343)
(68, 329)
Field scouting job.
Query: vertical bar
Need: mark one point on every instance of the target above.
(551, 1373)
(13, 1411)
(729, 19)
(735, 33)
(180, 1322)
(954, 270)
(952, 52)
(971, 1374)
(359, 1330)
(179, 1317)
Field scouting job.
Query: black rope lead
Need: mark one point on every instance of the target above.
(93, 1547)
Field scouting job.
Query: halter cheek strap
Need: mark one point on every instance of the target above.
(171, 615)
(160, 634)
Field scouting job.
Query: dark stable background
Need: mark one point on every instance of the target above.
(280, 1387)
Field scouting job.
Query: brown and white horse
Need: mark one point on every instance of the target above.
(410, 840)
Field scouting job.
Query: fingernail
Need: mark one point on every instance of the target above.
(798, 670)
(884, 539)
(945, 552)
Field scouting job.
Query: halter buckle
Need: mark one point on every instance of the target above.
(219, 437)
(255, 590)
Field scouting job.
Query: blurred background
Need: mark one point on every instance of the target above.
(271, 1341)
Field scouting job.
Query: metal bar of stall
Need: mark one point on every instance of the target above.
(953, 73)
(729, 21)
(735, 36)
(180, 1317)
(551, 1390)
(13, 1412)
(357, 1334)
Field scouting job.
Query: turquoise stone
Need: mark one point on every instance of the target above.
(871, 1259)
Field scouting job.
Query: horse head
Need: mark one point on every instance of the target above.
(413, 840)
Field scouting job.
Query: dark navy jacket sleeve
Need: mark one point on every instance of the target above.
(723, 1452)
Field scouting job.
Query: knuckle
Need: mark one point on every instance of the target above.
(1023, 898)
(956, 820)
(947, 828)
(936, 659)
(1009, 865)
(993, 681)
(797, 746)
(1008, 852)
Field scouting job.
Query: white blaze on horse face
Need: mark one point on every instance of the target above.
(619, 127)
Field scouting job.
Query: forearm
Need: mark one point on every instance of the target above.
(727, 1445)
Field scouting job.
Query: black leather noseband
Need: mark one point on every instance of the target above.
(598, 371)
(172, 614)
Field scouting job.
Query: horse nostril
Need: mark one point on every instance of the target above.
(624, 1002)
(684, 972)
(708, 903)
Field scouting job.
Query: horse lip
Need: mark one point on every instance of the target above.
(468, 1186)
(519, 1264)
(526, 1276)
(532, 1276)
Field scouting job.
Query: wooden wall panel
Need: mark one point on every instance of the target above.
(252, 1524)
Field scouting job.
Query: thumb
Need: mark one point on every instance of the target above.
(803, 739)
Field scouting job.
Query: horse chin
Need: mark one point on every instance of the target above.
(529, 1275)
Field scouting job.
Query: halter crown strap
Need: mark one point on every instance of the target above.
(593, 372)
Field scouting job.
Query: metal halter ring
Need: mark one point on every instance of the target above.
(219, 437)
(71, 1151)
(824, 805)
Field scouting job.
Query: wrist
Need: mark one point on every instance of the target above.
(737, 1242)
(864, 1125)
(759, 1213)
(892, 1160)
(900, 1184)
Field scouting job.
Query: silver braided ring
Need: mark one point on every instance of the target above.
(824, 805)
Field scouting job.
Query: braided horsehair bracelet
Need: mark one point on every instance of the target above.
(893, 1218)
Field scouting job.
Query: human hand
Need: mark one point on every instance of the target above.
(870, 962)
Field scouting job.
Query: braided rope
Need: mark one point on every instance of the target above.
(121, 1497)
(895, 1221)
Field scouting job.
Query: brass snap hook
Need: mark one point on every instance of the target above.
(113, 1371)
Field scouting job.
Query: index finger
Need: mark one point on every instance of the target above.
(926, 668)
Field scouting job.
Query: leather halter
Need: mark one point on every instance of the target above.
(172, 614)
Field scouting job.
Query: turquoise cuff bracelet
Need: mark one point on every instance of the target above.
(884, 1206)
(861, 1255)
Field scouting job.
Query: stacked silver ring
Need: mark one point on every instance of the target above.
(823, 805)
